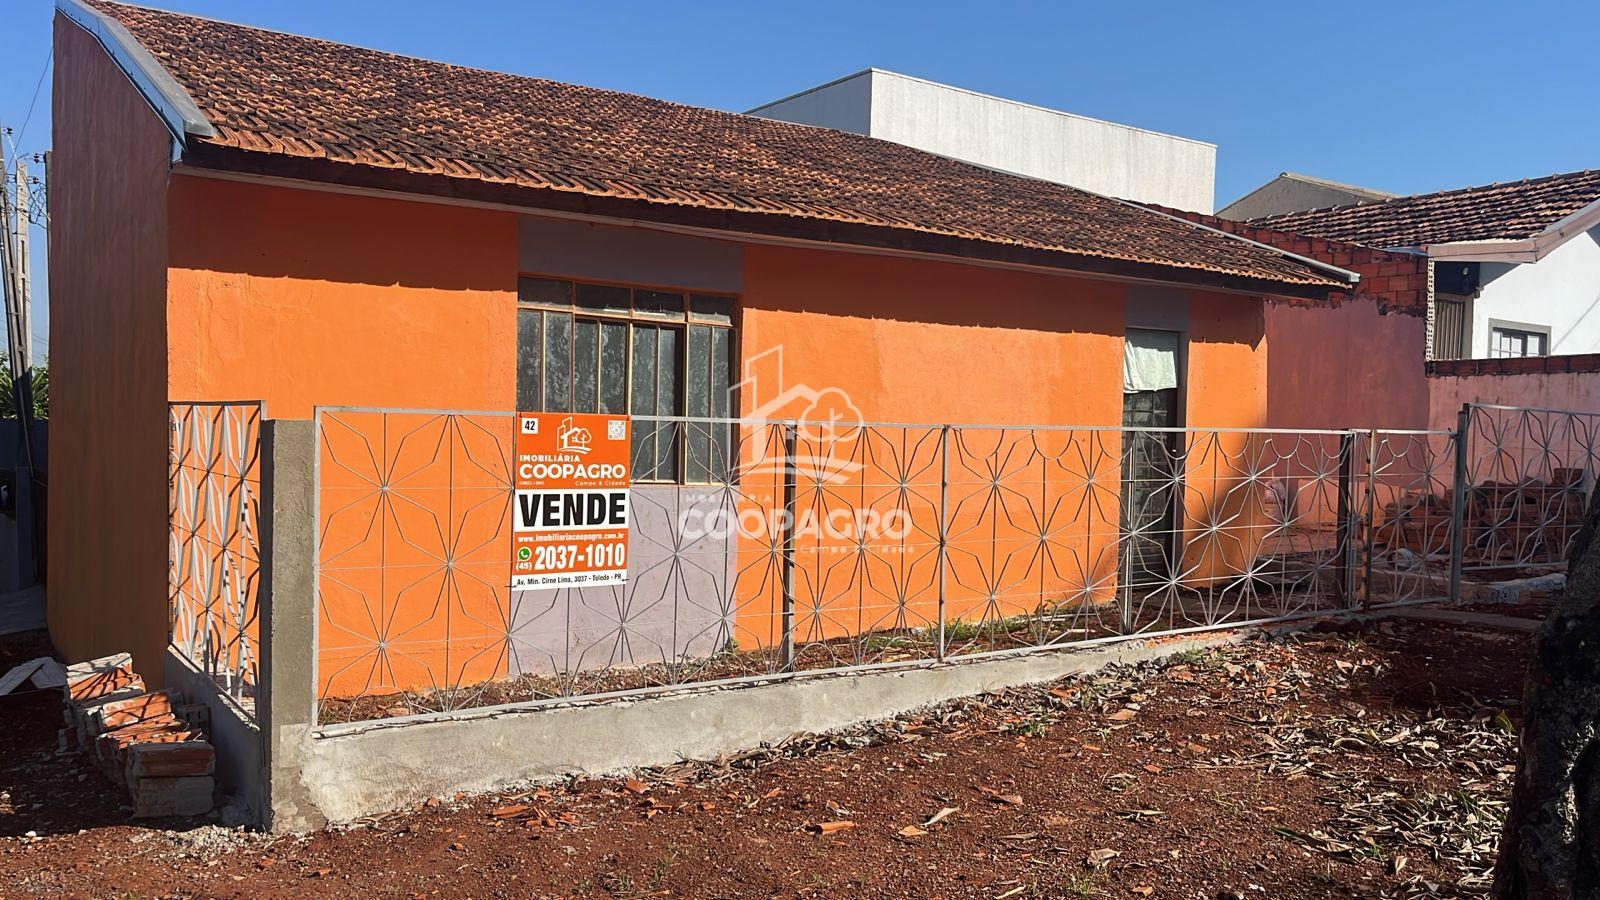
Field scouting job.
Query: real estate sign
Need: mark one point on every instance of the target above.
(570, 515)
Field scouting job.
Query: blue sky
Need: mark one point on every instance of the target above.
(1402, 96)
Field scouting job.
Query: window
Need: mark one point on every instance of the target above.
(611, 349)
(1505, 341)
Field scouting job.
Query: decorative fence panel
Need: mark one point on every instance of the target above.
(1525, 478)
(796, 548)
(214, 558)
(1405, 480)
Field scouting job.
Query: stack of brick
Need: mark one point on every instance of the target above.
(146, 741)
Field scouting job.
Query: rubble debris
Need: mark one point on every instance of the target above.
(43, 673)
(138, 738)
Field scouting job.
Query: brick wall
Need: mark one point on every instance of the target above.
(1397, 282)
(1516, 365)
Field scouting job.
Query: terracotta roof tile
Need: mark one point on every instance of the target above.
(1512, 211)
(296, 96)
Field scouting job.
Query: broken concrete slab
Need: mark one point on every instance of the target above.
(160, 797)
(41, 673)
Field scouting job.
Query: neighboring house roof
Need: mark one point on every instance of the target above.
(282, 104)
(1511, 213)
(1293, 192)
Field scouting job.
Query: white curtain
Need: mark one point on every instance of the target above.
(1150, 362)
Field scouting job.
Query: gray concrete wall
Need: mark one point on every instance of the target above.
(582, 250)
(16, 543)
(677, 603)
(843, 105)
(346, 772)
(232, 732)
(1104, 157)
(11, 447)
(285, 707)
(1290, 193)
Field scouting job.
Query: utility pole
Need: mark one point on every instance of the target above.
(15, 230)
(24, 269)
(21, 377)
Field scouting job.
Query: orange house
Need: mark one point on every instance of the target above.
(240, 214)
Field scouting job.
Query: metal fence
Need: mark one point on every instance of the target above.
(1526, 476)
(762, 550)
(782, 549)
(214, 558)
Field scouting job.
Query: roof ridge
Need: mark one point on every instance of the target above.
(1428, 195)
(99, 4)
(547, 134)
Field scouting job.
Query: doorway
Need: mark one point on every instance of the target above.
(1152, 462)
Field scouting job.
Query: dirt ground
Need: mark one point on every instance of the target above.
(1363, 763)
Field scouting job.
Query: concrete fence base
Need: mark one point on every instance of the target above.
(364, 768)
(309, 775)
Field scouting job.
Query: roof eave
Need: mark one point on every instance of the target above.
(1527, 250)
(1344, 275)
(171, 102)
(729, 224)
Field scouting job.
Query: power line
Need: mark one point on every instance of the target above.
(50, 55)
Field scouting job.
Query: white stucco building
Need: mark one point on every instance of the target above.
(1294, 192)
(1104, 157)
(1516, 266)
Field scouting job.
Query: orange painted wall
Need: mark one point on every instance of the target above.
(412, 306)
(1227, 365)
(108, 429)
(927, 342)
(1227, 369)
(303, 298)
(914, 341)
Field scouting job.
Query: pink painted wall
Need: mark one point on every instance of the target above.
(1578, 391)
(1348, 366)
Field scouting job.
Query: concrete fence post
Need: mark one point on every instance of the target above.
(286, 707)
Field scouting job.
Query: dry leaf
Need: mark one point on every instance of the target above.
(1143, 890)
(911, 831)
(514, 811)
(834, 826)
(1100, 857)
(635, 786)
(1122, 715)
(941, 815)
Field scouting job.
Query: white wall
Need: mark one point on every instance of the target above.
(1561, 291)
(1103, 157)
(843, 105)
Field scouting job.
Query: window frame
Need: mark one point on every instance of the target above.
(1524, 330)
(630, 318)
